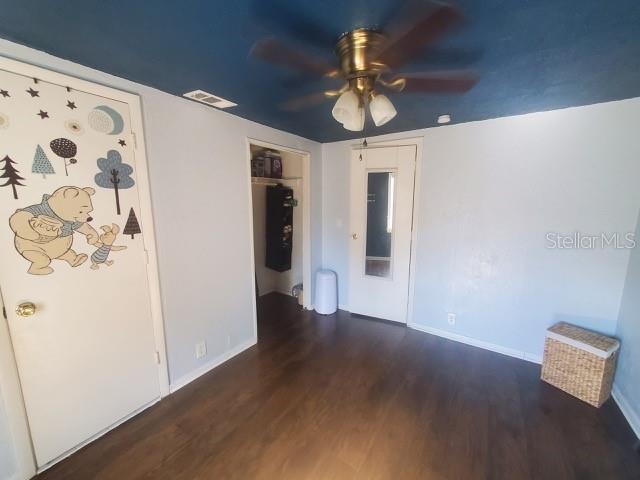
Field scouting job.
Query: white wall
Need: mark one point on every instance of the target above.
(200, 194)
(490, 192)
(7, 451)
(291, 165)
(627, 383)
(8, 463)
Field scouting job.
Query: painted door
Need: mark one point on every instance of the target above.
(73, 265)
(382, 185)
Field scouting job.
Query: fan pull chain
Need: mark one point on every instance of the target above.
(364, 136)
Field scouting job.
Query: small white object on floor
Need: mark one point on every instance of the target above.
(326, 299)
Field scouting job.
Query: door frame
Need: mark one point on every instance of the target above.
(8, 373)
(404, 142)
(306, 220)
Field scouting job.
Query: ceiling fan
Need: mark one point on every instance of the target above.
(367, 59)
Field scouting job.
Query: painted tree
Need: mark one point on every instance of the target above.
(132, 226)
(66, 149)
(11, 174)
(114, 174)
(41, 163)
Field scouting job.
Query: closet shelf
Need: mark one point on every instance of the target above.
(272, 180)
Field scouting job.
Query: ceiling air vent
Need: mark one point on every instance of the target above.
(209, 99)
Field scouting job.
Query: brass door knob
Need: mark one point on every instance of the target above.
(26, 309)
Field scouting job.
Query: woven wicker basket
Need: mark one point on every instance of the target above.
(580, 362)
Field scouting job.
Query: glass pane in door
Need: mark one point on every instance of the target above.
(380, 205)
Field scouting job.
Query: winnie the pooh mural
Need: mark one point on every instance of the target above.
(44, 232)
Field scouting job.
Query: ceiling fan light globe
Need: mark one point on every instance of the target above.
(346, 108)
(382, 110)
(356, 124)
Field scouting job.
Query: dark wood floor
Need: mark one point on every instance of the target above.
(341, 397)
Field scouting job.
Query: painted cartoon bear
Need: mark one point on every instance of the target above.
(44, 232)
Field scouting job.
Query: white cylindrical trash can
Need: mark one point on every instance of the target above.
(326, 301)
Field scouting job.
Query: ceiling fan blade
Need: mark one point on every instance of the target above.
(419, 23)
(287, 18)
(306, 101)
(448, 57)
(434, 82)
(276, 52)
(299, 80)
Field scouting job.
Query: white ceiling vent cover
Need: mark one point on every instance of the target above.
(209, 99)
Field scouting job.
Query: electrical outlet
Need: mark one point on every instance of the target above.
(451, 318)
(201, 349)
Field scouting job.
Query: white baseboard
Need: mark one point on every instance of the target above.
(340, 307)
(511, 352)
(277, 290)
(210, 365)
(283, 292)
(627, 410)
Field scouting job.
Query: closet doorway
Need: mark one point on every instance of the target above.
(280, 200)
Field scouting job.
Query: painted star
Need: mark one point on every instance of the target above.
(122, 142)
(4, 93)
(43, 114)
(71, 104)
(32, 92)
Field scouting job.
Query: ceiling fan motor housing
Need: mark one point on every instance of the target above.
(357, 51)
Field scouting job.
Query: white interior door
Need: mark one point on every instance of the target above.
(382, 184)
(72, 262)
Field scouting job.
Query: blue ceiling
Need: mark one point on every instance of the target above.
(532, 55)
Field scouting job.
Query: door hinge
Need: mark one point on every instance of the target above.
(4, 312)
(158, 357)
(135, 139)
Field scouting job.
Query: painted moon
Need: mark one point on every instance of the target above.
(105, 119)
